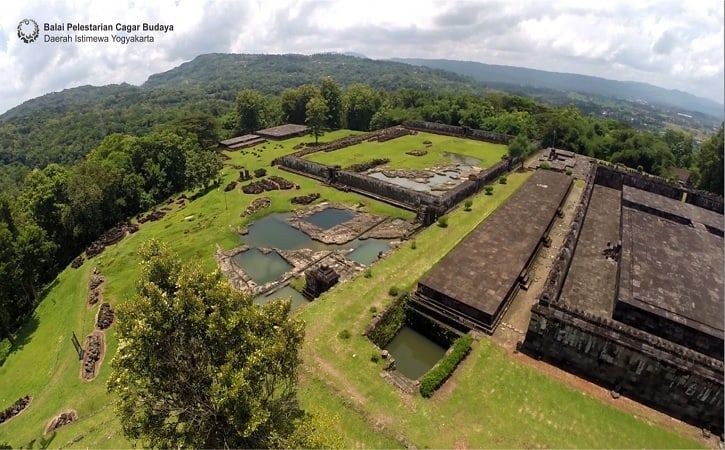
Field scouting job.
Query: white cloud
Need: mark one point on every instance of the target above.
(671, 44)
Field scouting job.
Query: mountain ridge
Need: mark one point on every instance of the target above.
(563, 81)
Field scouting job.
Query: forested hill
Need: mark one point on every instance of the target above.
(64, 126)
(626, 90)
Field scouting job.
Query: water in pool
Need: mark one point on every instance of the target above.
(260, 267)
(462, 159)
(297, 299)
(414, 353)
(368, 250)
(329, 217)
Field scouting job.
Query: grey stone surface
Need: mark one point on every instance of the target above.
(591, 283)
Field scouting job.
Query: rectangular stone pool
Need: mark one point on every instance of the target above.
(261, 267)
(414, 353)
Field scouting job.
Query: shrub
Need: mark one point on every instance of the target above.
(344, 334)
(568, 172)
(393, 291)
(5, 347)
(467, 205)
(445, 367)
(443, 221)
(373, 309)
(413, 245)
(545, 165)
(375, 357)
(488, 189)
(503, 180)
(259, 173)
(368, 273)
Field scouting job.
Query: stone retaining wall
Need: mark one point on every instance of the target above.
(464, 132)
(667, 376)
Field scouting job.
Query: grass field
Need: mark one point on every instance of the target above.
(490, 400)
(395, 150)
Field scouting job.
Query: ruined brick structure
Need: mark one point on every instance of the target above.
(634, 299)
(319, 280)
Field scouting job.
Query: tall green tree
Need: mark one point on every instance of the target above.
(520, 146)
(202, 167)
(361, 104)
(250, 111)
(200, 366)
(710, 163)
(201, 125)
(681, 145)
(294, 102)
(316, 113)
(332, 94)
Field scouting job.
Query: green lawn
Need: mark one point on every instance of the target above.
(395, 150)
(496, 402)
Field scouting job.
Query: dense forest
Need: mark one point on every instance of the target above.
(101, 155)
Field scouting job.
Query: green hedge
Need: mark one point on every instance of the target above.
(441, 371)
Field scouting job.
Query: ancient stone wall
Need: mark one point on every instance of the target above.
(666, 376)
(302, 165)
(382, 188)
(615, 176)
(383, 328)
(464, 132)
(706, 344)
(557, 274)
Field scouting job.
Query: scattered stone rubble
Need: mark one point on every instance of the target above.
(14, 409)
(417, 152)
(257, 205)
(92, 355)
(60, 420)
(305, 199)
(105, 316)
(95, 293)
(272, 183)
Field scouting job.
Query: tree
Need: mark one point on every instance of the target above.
(520, 146)
(316, 114)
(332, 94)
(202, 167)
(250, 111)
(710, 163)
(294, 102)
(199, 365)
(681, 145)
(362, 102)
(201, 125)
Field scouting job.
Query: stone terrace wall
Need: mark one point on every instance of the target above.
(666, 376)
(302, 165)
(464, 132)
(617, 176)
(384, 189)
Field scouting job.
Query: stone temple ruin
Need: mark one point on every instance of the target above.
(634, 300)
(472, 286)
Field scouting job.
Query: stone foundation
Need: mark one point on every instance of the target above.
(15, 409)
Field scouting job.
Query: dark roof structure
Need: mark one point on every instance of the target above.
(480, 274)
(285, 131)
(244, 141)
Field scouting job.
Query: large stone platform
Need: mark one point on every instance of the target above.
(634, 300)
(474, 283)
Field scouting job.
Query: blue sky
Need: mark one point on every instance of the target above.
(673, 44)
